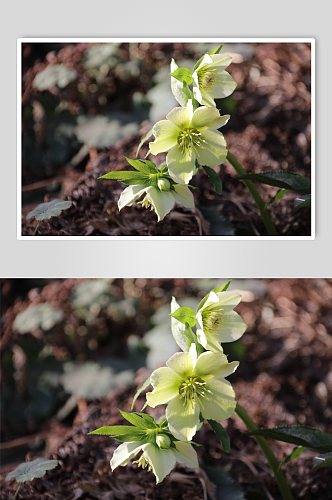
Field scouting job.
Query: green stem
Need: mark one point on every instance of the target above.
(37, 228)
(255, 194)
(269, 455)
(18, 489)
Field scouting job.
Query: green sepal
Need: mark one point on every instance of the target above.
(185, 315)
(138, 392)
(222, 288)
(213, 176)
(210, 52)
(221, 435)
(295, 454)
(144, 166)
(183, 75)
(148, 135)
(280, 194)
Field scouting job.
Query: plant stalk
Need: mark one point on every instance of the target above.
(34, 234)
(269, 455)
(255, 195)
(18, 489)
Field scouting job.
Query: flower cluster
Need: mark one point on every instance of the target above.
(189, 135)
(192, 384)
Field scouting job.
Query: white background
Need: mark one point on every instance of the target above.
(174, 18)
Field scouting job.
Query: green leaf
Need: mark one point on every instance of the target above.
(139, 421)
(213, 176)
(183, 75)
(324, 460)
(124, 433)
(222, 288)
(221, 435)
(303, 201)
(282, 179)
(148, 135)
(197, 445)
(124, 175)
(210, 52)
(201, 422)
(178, 328)
(185, 315)
(144, 166)
(192, 339)
(51, 209)
(295, 454)
(280, 194)
(138, 392)
(300, 435)
(29, 470)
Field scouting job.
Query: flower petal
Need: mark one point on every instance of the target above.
(125, 452)
(166, 385)
(232, 327)
(181, 166)
(212, 364)
(166, 134)
(131, 194)
(184, 196)
(218, 62)
(223, 86)
(222, 400)
(186, 454)
(226, 300)
(182, 422)
(183, 363)
(214, 151)
(161, 461)
(205, 117)
(163, 201)
(212, 344)
(181, 117)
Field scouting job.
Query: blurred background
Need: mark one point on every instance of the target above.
(85, 106)
(75, 350)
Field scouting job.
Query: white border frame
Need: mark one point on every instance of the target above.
(20, 41)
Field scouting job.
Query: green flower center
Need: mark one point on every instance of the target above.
(191, 388)
(188, 139)
(206, 79)
(211, 321)
(143, 462)
(146, 203)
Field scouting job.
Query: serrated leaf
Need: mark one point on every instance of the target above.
(138, 420)
(127, 177)
(183, 75)
(324, 460)
(299, 434)
(141, 389)
(185, 315)
(210, 52)
(280, 194)
(221, 435)
(124, 433)
(213, 176)
(30, 470)
(148, 135)
(222, 288)
(51, 209)
(281, 179)
(143, 166)
(54, 75)
(303, 201)
(178, 328)
(42, 316)
(295, 454)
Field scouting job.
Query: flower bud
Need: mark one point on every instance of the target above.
(163, 441)
(164, 185)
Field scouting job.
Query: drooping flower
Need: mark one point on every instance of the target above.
(217, 322)
(192, 385)
(188, 136)
(158, 456)
(211, 81)
(160, 198)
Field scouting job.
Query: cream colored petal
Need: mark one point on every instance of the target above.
(180, 166)
(166, 134)
(212, 344)
(214, 150)
(220, 61)
(232, 327)
(212, 364)
(181, 117)
(205, 117)
(163, 201)
(222, 400)
(184, 196)
(131, 194)
(227, 300)
(224, 85)
(183, 363)
(125, 452)
(182, 422)
(186, 454)
(166, 385)
(162, 461)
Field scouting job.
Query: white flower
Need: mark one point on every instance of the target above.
(192, 385)
(217, 322)
(160, 200)
(160, 460)
(188, 136)
(211, 81)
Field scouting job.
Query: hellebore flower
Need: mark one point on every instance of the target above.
(188, 136)
(160, 198)
(217, 322)
(192, 385)
(211, 81)
(158, 456)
